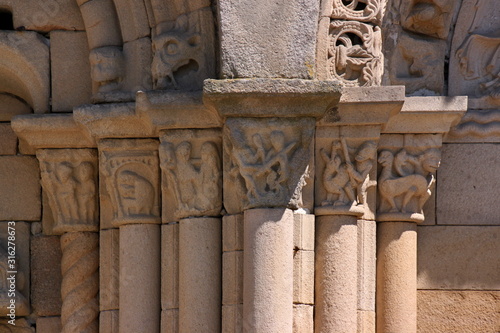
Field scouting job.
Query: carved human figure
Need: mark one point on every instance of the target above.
(169, 165)
(107, 67)
(85, 191)
(276, 164)
(187, 176)
(336, 179)
(136, 193)
(210, 176)
(65, 192)
(365, 159)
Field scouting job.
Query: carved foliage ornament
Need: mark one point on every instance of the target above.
(195, 184)
(132, 181)
(69, 176)
(345, 178)
(355, 53)
(358, 10)
(405, 183)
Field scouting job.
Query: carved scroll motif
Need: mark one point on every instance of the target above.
(69, 176)
(355, 53)
(267, 168)
(194, 183)
(405, 183)
(132, 181)
(345, 178)
(358, 10)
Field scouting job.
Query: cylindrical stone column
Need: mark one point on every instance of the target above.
(336, 274)
(397, 277)
(200, 256)
(268, 270)
(140, 278)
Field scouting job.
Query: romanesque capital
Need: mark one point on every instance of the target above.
(69, 177)
(268, 163)
(129, 172)
(191, 168)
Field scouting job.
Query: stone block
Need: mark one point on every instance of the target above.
(138, 57)
(232, 277)
(108, 321)
(170, 266)
(290, 26)
(303, 321)
(133, 19)
(22, 326)
(109, 264)
(303, 277)
(366, 322)
(10, 106)
(232, 318)
(47, 216)
(8, 140)
(170, 321)
(466, 187)
(49, 325)
(19, 189)
(458, 311)
(303, 232)
(15, 237)
(458, 257)
(232, 232)
(46, 275)
(70, 68)
(101, 23)
(367, 266)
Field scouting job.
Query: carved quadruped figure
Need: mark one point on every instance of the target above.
(107, 68)
(69, 178)
(336, 179)
(195, 183)
(406, 179)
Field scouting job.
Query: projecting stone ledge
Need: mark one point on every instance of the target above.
(271, 97)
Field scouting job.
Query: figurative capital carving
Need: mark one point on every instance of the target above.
(355, 53)
(69, 177)
(196, 183)
(405, 183)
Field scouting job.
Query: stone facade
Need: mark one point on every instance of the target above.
(288, 166)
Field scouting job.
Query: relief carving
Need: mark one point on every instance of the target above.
(107, 68)
(405, 183)
(192, 174)
(345, 181)
(131, 178)
(69, 176)
(358, 10)
(426, 17)
(266, 167)
(355, 53)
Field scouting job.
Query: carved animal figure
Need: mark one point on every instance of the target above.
(410, 186)
(336, 179)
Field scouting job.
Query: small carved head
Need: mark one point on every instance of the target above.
(85, 171)
(107, 64)
(385, 158)
(278, 140)
(183, 151)
(64, 171)
(431, 160)
(367, 151)
(257, 141)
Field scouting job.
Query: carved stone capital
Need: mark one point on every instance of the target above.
(191, 173)
(268, 163)
(130, 177)
(69, 177)
(346, 169)
(407, 174)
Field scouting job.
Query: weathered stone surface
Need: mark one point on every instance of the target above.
(366, 322)
(48, 324)
(46, 275)
(22, 326)
(70, 70)
(19, 189)
(109, 269)
(290, 26)
(101, 23)
(8, 140)
(25, 67)
(232, 232)
(232, 278)
(303, 232)
(448, 259)
(133, 19)
(170, 321)
(367, 267)
(458, 311)
(170, 266)
(108, 321)
(303, 277)
(137, 54)
(465, 186)
(232, 318)
(303, 319)
(11, 106)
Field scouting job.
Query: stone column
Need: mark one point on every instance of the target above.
(130, 172)
(69, 177)
(192, 195)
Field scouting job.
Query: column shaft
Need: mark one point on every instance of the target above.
(397, 277)
(336, 274)
(139, 278)
(268, 270)
(200, 262)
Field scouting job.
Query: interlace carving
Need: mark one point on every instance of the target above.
(358, 10)
(196, 184)
(405, 183)
(69, 176)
